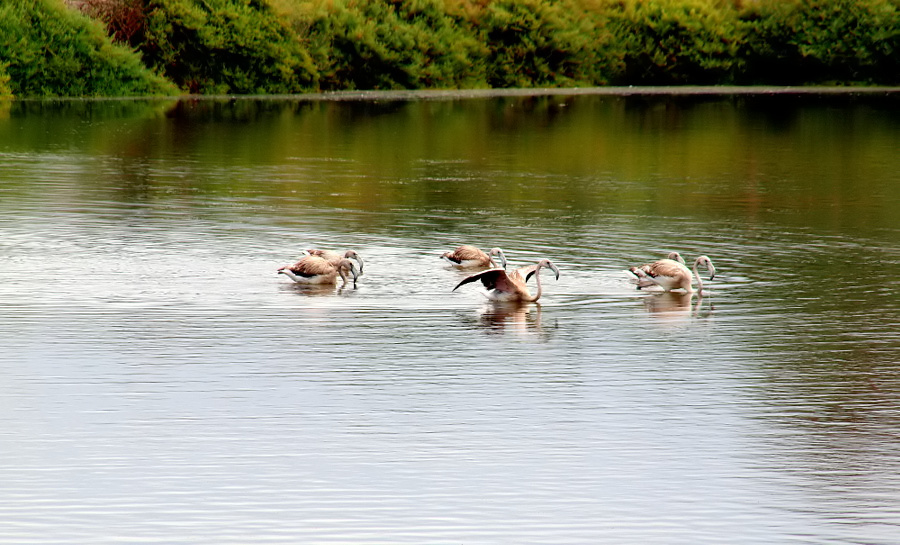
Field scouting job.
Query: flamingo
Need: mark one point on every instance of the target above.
(335, 258)
(643, 281)
(470, 257)
(503, 286)
(312, 269)
(671, 275)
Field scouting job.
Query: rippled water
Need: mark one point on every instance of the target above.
(161, 383)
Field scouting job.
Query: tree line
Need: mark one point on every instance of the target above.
(153, 47)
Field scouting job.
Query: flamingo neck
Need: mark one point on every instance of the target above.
(537, 279)
(290, 274)
(699, 281)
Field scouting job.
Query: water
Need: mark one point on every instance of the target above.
(161, 383)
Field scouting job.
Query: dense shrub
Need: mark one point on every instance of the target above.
(224, 46)
(672, 42)
(391, 44)
(813, 41)
(5, 89)
(288, 46)
(542, 43)
(52, 51)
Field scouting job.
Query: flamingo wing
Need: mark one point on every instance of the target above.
(466, 253)
(492, 279)
(311, 266)
(527, 271)
(665, 268)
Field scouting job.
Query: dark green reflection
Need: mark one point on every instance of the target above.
(827, 162)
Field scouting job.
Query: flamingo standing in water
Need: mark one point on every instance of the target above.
(503, 286)
(671, 275)
(312, 269)
(644, 281)
(470, 257)
(335, 258)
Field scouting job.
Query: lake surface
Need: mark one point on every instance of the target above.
(160, 383)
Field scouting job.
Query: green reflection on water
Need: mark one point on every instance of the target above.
(820, 162)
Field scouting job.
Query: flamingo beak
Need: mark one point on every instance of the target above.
(555, 269)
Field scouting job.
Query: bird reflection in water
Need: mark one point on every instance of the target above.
(674, 307)
(521, 318)
(319, 290)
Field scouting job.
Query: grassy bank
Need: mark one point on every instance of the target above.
(288, 46)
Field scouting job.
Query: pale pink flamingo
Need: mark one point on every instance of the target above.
(470, 257)
(503, 286)
(671, 275)
(312, 269)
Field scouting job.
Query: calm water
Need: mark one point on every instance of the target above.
(161, 383)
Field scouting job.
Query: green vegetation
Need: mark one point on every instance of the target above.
(290, 46)
(532, 43)
(224, 46)
(829, 41)
(674, 42)
(5, 90)
(390, 45)
(47, 49)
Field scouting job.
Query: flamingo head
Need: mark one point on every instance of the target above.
(499, 253)
(549, 264)
(705, 261)
(353, 255)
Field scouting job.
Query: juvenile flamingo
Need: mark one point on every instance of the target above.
(470, 257)
(671, 275)
(335, 258)
(503, 286)
(644, 281)
(312, 269)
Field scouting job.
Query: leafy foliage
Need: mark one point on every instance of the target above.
(53, 51)
(5, 90)
(289, 46)
(673, 42)
(392, 44)
(224, 46)
(803, 41)
(541, 43)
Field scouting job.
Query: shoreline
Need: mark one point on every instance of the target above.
(465, 94)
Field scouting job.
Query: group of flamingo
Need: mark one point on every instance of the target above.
(325, 266)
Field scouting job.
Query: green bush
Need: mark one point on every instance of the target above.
(5, 89)
(50, 50)
(674, 42)
(392, 44)
(535, 43)
(247, 47)
(224, 46)
(823, 41)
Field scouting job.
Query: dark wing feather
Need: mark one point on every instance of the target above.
(491, 278)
